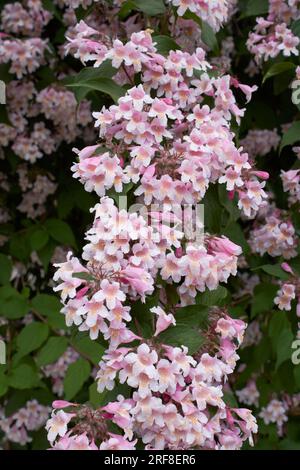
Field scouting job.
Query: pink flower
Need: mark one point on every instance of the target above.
(163, 321)
(117, 442)
(138, 279)
(87, 152)
(224, 245)
(109, 292)
(58, 424)
(286, 267)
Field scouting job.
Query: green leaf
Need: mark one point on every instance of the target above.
(49, 5)
(49, 306)
(100, 399)
(23, 376)
(278, 323)
(105, 70)
(194, 315)
(150, 7)
(213, 297)
(77, 374)
(83, 275)
(82, 13)
(31, 338)
(230, 205)
(263, 298)
(288, 444)
(281, 337)
(12, 304)
(38, 239)
(281, 82)
(253, 7)
(5, 269)
(45, 77)
(52, 350)
(65, 203)
(208, 36)
(45, 253)
(278, 68)
(213, 209)
(4, 115)
(230, 400)
(46, 304)
(126, 8)
(91, 348)
(5, 74)
(274, 270)
(183, 335)
(297, 375)
(19, 246)
(165, 44)
(94, 78)
(3, 381)
(291, 136)
(295, 27)
(60, 231)
(284, 348)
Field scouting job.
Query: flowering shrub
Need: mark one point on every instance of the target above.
(174, 123)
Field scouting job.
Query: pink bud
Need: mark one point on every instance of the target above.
(286, 267)
(224, 245)
(248, 90)
(86, 152)
(231, 195)
(82, 292)
(264, 175)
(234, 82)
(229, 417)
(149, 172)
(62, 404)
(163, 320)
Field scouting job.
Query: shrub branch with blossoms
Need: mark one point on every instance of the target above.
(169, 139)
(175, 124)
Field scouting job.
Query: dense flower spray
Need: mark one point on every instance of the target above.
(272, 35)
(167, 139)
(149, 348)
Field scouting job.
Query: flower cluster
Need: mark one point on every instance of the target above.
(124, 256)
(291, 184)
(274, 236)
(35, 194)
(249, 394)
(214, 12)
(284, 296)
(165, 140)
(58, 369)
(173, 146)
(260, 142)
(32, 142)
(272, 36)
(29, 418)
(172, 398)
(25, 56)
(275, 412)
(29, 21)
(279, 410)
